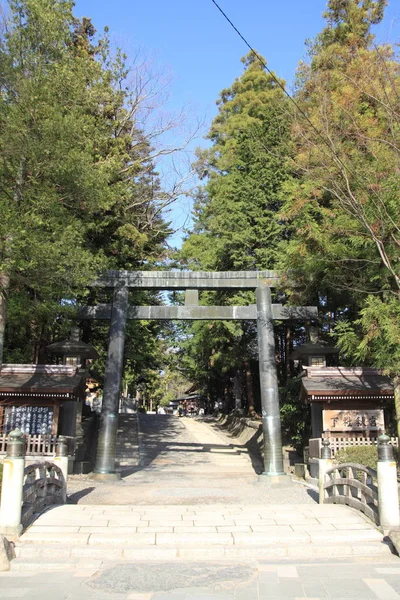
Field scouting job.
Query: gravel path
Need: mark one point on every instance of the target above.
(184, 461)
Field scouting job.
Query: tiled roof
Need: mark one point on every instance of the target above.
(48, 379)
(336, 381)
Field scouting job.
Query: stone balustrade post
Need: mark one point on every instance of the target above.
(61, 460)
(324, 464)
(388, 493)
(12, 486)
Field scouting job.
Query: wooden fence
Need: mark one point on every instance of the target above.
(338, 443)
(38, 445)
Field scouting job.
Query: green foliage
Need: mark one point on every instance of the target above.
(344, 200)
(362, 455)
(79, 186)
(373, 338)
(171, 382)
(295, 415)
(350, 21)
(236, 224)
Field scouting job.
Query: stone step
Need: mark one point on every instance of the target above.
(229, 535)
(222, 532)
(47, 557)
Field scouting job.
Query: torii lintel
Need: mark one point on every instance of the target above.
(199, 313)
(205, 280)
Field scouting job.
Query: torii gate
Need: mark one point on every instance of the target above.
(264, 312)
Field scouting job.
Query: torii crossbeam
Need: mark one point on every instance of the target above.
(264, 312)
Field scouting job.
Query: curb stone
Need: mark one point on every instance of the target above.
(7, 553)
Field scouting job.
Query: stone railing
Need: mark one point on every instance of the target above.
(375, 493)
(25, 492)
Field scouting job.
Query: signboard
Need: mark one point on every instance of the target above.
(33, 420)
(353, 420)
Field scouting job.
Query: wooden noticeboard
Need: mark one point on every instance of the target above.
(32, 420)
(353, 420)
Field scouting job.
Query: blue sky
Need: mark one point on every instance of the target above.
(190, 40)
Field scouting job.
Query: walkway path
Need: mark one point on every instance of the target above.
(184, 461)
(317, 580)
(192, 522)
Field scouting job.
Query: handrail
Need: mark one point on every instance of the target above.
(44, 485)
(358, 492)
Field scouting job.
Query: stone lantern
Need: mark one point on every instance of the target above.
(73, 351)
(314, 352)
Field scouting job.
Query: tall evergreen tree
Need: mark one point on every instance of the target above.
(236, 213)
(345, 201)
(236, 223)
(79, 189)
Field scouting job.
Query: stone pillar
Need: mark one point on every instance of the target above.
(271, 420)
(106, 446)
(61, 460)
(388, 494)
(12, 486)
(324, 464)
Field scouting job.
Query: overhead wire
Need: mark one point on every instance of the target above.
(320, 135)
(292, 100)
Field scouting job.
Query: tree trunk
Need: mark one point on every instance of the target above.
(4, 289)
(396, 386)
(249, 388)
(288, 344)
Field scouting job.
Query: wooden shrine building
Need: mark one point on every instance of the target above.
(346, 401)
(40, 399)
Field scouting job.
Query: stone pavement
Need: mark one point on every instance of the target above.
(354, 579)
(184, 461)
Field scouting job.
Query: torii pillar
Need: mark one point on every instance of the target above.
(106, 444)
(271, 420)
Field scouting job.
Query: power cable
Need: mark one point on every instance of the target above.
(326, 142)
(321, 136)
(264, 64)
